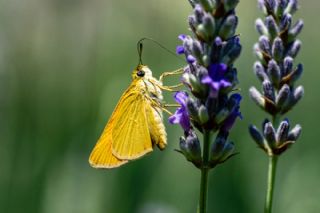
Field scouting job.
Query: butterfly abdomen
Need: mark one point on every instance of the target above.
(157, 129)
(154, 115)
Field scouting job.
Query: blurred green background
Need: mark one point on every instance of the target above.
(63, 66)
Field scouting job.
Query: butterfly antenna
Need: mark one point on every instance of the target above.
(140, 47)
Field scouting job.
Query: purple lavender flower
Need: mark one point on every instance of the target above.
(209, 77)
(181, 116)
(277, 47)
(216, 78)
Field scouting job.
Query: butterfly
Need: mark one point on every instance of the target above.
(136, 125)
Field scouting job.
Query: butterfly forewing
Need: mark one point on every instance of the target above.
(131, 136)
(101, 156)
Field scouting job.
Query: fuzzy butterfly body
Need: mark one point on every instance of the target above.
(135, 125)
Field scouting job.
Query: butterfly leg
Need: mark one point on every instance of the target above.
(170, 88)
(156, 104)
(166, 88)
(171, 105)
(175, 72)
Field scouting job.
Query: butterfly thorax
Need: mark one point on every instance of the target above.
(143, 76)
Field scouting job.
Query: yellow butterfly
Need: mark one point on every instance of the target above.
(135, 125)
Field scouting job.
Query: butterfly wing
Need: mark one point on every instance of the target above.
(131, 136)
(101, 155)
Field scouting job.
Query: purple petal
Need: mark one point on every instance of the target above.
(174, 119)
(215, 86)
(191, 59)
(206, 80)
(218, 41)
(180, 50)
(181, 97)
(182, 37)
(229, 122)
(225, 83)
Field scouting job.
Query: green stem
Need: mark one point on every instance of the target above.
(271, 179)
(204, 173)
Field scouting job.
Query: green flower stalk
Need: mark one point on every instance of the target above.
(209, 104)
(276, 50)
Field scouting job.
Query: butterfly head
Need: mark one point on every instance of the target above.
(141, 72)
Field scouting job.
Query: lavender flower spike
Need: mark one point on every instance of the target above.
(277, 48)
(209, 105)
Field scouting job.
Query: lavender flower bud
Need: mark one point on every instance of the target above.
(231, 52)
(222, 115)
(257, 97)
(221, 149)
(295, 30)
(296, 74)
(277, 49)
(260, 72)
(264, 44)
(193, 108)
(203, 114)
(259, 54)
(196, 50)
(261, 28)
(228, 27)
(192, 22)
(287, 65)
(298, 93)
(229, 4)
(283, 96)
(292, 6)
(205, 60)
(270, 134)
(228, 151)
(282, 4)
(292, 77)
(202, 33)
(199, 13)
(217, 147)
(270, 5)
(294, 49)
(209, 25)
(282, 132)
(256, 136)
(272, 27)
(190, 148)
(207, 5)
(262, 7)
(268, 90)
(198, 89)
(274, 73)
(294, 133)
(285, 22)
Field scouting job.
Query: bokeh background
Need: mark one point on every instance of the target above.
(63, 66)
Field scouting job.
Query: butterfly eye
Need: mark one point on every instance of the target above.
(140, 73)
